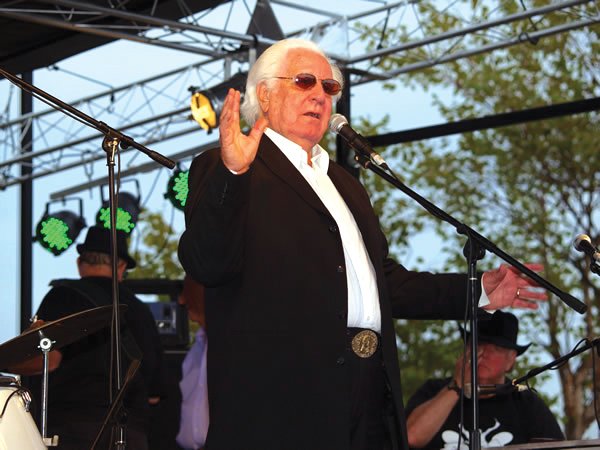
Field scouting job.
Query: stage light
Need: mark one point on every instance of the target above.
(177, 188)
(57, 231)
(207, 105)
(128, 210)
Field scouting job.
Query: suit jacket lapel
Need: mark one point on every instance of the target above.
(346, 186)
(281, 167)
(355, 199)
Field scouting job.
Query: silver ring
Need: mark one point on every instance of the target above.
(518, 292)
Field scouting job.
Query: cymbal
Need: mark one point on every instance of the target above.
(61, 332)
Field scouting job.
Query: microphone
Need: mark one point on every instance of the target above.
(495, 389)
(583, 243)
(338, 124)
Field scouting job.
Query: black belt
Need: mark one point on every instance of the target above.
(363, 342)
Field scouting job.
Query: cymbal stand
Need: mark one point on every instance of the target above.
(46, 346)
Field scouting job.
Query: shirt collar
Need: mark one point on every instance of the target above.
(296, 154)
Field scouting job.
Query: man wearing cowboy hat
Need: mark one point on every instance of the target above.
(505, 416)
(79, 382)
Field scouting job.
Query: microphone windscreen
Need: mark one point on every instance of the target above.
(336, 122)
(579, 242)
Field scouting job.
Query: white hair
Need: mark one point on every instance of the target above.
(268, 65)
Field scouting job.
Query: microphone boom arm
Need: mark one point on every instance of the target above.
(559, 361)
(482, 241)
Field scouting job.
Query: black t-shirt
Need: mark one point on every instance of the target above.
(513, 418)
(79, 387)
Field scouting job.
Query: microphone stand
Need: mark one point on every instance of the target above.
(116, 405)
(113, 139)
(558, 361)
(474, 250)
(111, 146)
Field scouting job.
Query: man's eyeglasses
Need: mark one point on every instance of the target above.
(307, 81)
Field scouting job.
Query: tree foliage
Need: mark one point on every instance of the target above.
(529, 187)
(155, 249)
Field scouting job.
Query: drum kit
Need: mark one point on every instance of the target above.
(18, 430)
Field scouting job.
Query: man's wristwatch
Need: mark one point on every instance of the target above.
(452, 386)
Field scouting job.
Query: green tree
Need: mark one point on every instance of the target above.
(155, 249)
(528, 187)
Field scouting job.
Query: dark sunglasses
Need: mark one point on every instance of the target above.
(307, 81)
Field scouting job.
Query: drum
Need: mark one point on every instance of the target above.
(17, 428)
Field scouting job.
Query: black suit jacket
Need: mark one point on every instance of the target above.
(271, 257)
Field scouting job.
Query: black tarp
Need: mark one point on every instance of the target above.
(25, 46)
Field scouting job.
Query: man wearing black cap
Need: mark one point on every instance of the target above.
(505, 416)
(79, 383)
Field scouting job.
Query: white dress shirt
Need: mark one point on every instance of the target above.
(363, 295)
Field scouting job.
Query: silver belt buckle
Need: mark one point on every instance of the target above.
(364, 343)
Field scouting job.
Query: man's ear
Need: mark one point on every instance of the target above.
(263, 94)
(511, 360)
(79, 263)
(121, 269)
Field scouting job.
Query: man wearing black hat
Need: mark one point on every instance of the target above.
(505, 416)
(79, 383)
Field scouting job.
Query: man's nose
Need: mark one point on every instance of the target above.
(318, 93)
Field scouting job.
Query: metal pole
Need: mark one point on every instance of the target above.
(344, 154)
(26, 200)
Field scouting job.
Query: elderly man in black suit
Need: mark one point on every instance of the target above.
(300, 292)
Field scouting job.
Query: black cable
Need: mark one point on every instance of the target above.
(15, 392)
(558, 366)
(525, 35)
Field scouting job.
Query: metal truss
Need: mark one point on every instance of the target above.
(155, 111)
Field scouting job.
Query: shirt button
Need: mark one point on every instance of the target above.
(333, 228)
(340, 269)
(340, 361)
